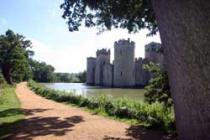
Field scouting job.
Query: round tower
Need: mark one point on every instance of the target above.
(124, 63)
(102, 58)
(153, 53)
(91, 65)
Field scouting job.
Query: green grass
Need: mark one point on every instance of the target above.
(150, 115)
(10, 112)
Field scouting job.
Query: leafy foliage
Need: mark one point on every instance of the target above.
(130, 14)
(82, 76)
(14, 54)
(41, 71)
(71, 77)
(2, 80)
(16, 64)
(66, 77)
(151, 115)
(158, 88)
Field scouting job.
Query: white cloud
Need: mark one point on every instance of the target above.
(68, 59)
(72, 57)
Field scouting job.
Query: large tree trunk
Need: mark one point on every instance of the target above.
(6, 71)
(185, 33)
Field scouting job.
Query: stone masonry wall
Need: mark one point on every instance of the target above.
(124, 64)
(142, 76)
(91, 63)
(102, 58)
(153, 53)
(108, 75)
(125, 71)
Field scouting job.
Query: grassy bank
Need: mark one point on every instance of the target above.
(10, 112)
(154, 115)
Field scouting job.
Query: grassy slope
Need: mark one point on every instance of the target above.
(10, 112)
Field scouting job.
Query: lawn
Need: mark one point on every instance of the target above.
(10, 112)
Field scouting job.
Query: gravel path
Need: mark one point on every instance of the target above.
(48, 120)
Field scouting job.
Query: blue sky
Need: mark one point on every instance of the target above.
(41, 22)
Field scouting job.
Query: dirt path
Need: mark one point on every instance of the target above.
(48, 120)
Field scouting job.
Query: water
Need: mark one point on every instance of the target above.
(88, 91)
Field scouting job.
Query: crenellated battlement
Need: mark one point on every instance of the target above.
(126, 70)
(124, 42)
(124, 54)
(152, 47)
(141, 60)
(91, 58)
(103, 52)
(154, 53)
(138, 60)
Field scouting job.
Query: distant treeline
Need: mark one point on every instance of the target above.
(71, 77)
(16, 63)
(42, 72)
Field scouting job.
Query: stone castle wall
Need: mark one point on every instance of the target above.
(91, 65)
(108, 75)
(142, 76)
(103, 57)
(124, 63)
(125, 71)
(153, 53)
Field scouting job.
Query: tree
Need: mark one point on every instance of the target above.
(63, 77)
(42, 72)
(82, 76)
(158, 87)
(14, 54)
(68, 77)
(184, 29)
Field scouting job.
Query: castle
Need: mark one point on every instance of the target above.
(125, 70)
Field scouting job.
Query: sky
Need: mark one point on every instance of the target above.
(40, 21)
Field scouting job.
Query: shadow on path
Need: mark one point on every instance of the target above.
(27, 129)
(10, 112)
(140, 133)
(42, 126)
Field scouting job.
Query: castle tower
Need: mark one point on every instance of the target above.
(102, 58)
(153, 53)
(108, 75)
(142, 76)
(91, 65)
(124, 63)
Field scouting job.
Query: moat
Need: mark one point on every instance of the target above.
(89, 91)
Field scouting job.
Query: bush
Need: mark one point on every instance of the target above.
(158, 89)
(153, 115)
(2, 80)
(3, 83)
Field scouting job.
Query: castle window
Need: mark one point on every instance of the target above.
(121, 73)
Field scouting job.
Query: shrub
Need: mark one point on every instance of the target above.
(2, 81)
(158, 89)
